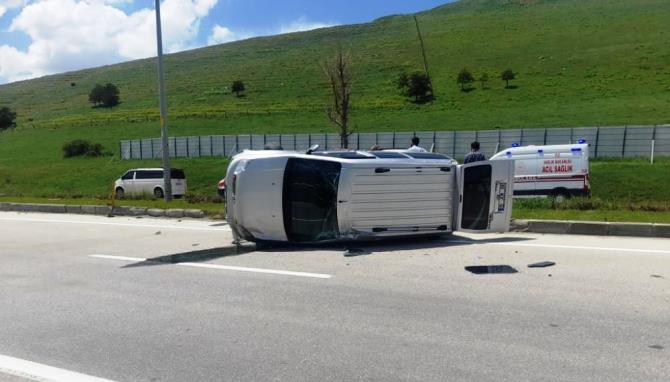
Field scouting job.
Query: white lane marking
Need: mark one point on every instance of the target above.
(224, 267)
(115, 224)
(516, 244)
(38, 372)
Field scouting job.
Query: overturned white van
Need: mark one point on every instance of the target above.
(558, 171)
(282, 196)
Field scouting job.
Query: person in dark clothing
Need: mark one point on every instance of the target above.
(474, 155)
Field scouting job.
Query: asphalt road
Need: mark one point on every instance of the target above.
(75, 294)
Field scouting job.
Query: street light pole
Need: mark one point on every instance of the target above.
(167, 178)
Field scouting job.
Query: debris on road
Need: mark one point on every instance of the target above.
(657, 347)
(490, 269)
(657, 276)
(542, 264)
(351, 252)
(158, 233)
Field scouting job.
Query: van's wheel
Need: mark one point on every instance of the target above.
(119, 193)
(560, 195)
(158, 193)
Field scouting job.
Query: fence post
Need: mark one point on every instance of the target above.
(521, 138)
(572, 135)
(434, 139)
(325, 140)
(121, 149)
(545, 136)
(223, 141)
(174, 146)
(597, 140)
(152, 149)
(141, 153)
(199, 146)
(653, 143)
(358, 141)
(453, 151)
(623, 145)
(393, 140)
(188, 148)
(211, 146)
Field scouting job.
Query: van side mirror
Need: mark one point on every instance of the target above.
(312, 149)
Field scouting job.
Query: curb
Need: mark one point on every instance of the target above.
(570, 227)
(103, 210)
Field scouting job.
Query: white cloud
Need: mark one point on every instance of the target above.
(301, 25)
(71, 34)
(221, 34)
(6, 5)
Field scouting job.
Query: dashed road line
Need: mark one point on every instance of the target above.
(60, 221)
(39, 372)
(558, 246)
(223, 267)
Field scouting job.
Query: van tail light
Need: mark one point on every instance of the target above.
(587, 183)
(222, 184)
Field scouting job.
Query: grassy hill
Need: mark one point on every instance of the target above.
(578, 62)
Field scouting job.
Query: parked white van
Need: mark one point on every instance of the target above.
(149, 181)
(559, 171)
(284, 196)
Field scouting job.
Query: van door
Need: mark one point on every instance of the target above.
(485, 196)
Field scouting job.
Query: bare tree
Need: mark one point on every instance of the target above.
(338, 72)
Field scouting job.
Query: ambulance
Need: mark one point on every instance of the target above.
(558, 171)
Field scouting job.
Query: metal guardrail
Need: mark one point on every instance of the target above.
(612, 141)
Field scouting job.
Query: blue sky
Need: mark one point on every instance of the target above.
(40, 37)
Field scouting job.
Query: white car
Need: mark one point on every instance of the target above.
(558, 171)
(149, 181)
(282, 196)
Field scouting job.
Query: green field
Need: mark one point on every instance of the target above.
(578, 62)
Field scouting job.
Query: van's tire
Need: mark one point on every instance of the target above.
(158, 193)
(560, 195)
(119, 193)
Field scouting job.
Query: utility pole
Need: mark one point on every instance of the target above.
(423, 54)
(167, 176)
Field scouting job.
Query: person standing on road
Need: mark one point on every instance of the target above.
(474, 155)
(415, 146)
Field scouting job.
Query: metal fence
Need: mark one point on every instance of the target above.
(614, 141)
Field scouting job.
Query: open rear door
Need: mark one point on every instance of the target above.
(485, 196)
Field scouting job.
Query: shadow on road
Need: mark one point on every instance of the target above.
(195, 256)
(358, 248)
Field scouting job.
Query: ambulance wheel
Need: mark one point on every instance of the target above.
(560, 195)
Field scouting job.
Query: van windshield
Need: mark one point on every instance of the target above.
(310, 199)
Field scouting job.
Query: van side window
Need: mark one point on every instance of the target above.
(150, 174)
(128, 176)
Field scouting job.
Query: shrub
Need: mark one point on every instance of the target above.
(80, 147)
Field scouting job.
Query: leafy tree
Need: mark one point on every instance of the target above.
(238, 87)
(338, 72)
(104, 96)
(7, 118)
(507, 76)
(465, 78)
(483, 79)
(416, 85)
(95, 96)
(110, 96)
(81, 147)
(402, 82)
